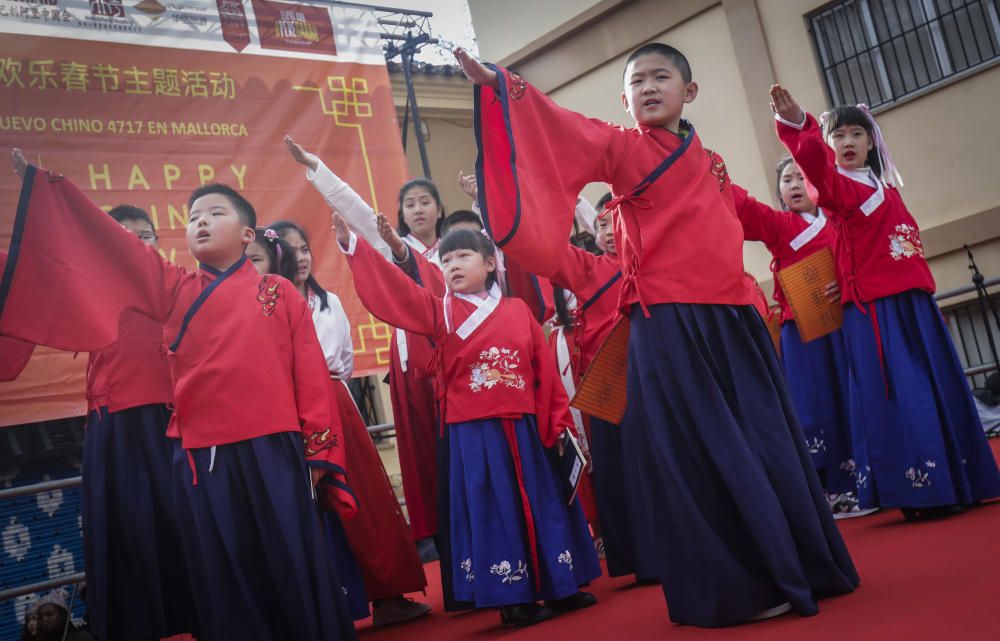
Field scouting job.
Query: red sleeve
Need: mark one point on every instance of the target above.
(551, 402)
(431, 276)
(575, 272)
(759, 220)
(824, 184)
(72, 270)
(322, 433)
(391, 296)
(14, 356)
(534, 158)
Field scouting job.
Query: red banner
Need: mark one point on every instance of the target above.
(145, 125)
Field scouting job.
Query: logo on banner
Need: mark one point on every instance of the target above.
(294, 27)
(107, 8)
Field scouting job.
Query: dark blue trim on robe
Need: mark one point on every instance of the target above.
(501, 95)
(203, 296)
(604, 288)
(20, 220)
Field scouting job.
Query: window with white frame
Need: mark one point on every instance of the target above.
(878, 51)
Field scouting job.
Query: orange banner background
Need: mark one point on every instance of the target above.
(146, 125)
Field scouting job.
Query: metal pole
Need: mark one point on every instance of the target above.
(412, 99)
(13, 593)
(984, 305)
(37, 488)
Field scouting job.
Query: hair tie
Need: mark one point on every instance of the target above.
(890, 174)
(272, 237)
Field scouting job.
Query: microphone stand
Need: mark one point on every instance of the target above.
(985, 306)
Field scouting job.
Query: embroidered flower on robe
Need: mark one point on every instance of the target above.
(905, 243)
(497, 365)
(566, 558)
(509, 575)
(918, 477)
(466, 566)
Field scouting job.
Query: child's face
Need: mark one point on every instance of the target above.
(655, 91)
(50, 618)
(605, 234)
(303, 257)
(851, 143)
(143, 231)
(420, 211)
(258, 256)
(31, 622)
(792, 187)
(216, 234)
(466, 270)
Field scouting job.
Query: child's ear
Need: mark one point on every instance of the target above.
(690, 92)
(491, 264)
(248, 235)
(625, 101)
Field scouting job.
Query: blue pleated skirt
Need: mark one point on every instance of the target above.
(491, 562)
(261, 568)
(818, 376)
(738, 520)
(920, 442)
(346, 563)
(137, 584)
(617, 503)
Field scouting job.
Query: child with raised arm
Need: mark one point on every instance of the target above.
(922, 447)
(817, 371)
(740, 522)
(248, 390)
(513, 539)
(411, 393)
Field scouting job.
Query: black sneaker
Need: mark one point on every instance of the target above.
(523, 615)
(577, 601)
(930, 513)
(427, 550)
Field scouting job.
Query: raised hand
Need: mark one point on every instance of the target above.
(343, 230)
(18, 160)
(468, 184)
(300, 155)
(391, 238)
(475, 71)
(785, 106)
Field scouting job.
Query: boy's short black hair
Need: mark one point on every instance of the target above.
(605, 199)
(131, 212)
(240, 204)
(668, 52)
(468, 239)
(846, 115)
(460, 216)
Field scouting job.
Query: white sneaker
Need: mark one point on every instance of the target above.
(854, 513)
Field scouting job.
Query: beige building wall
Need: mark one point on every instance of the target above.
(944, 140)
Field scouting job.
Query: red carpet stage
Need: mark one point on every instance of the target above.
(928, 581)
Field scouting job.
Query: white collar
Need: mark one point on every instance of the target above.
(484, 307)
(866, 176)
(815, 226)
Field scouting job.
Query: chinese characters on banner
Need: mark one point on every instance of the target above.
(140, 103)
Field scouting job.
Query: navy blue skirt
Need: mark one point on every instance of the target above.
(617, 503)
(346, 563)
(920, 442)
(818, 377)
(261, 568)
(489, 555)
(137, 585)
(738, 520)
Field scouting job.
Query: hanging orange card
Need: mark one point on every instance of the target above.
(602, 392)
(804, 284)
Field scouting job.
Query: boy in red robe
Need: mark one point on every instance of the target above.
(740, 522)
(248, 385)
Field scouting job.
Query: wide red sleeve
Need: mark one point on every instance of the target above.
(72, 269)
(534, 158)
(14, 356)
(760, 222)
(575, 270)
(551, 403)
(322, 433)
(389, 294)
(824, 184)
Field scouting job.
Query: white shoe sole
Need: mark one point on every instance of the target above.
(770, 613)
(853, 515)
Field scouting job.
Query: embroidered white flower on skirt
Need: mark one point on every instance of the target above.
(566, 558)
(466, 566)
(497, 365)
(918, 477)
(507, 574)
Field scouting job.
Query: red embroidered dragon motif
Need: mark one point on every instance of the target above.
(268, 295)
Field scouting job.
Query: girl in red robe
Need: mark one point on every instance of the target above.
(513, 539)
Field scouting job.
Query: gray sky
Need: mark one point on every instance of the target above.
(451, 23)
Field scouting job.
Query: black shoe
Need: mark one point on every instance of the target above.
(525, 614)
(578, 601)
(427, 550)
(647, 580)
(930, 513)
